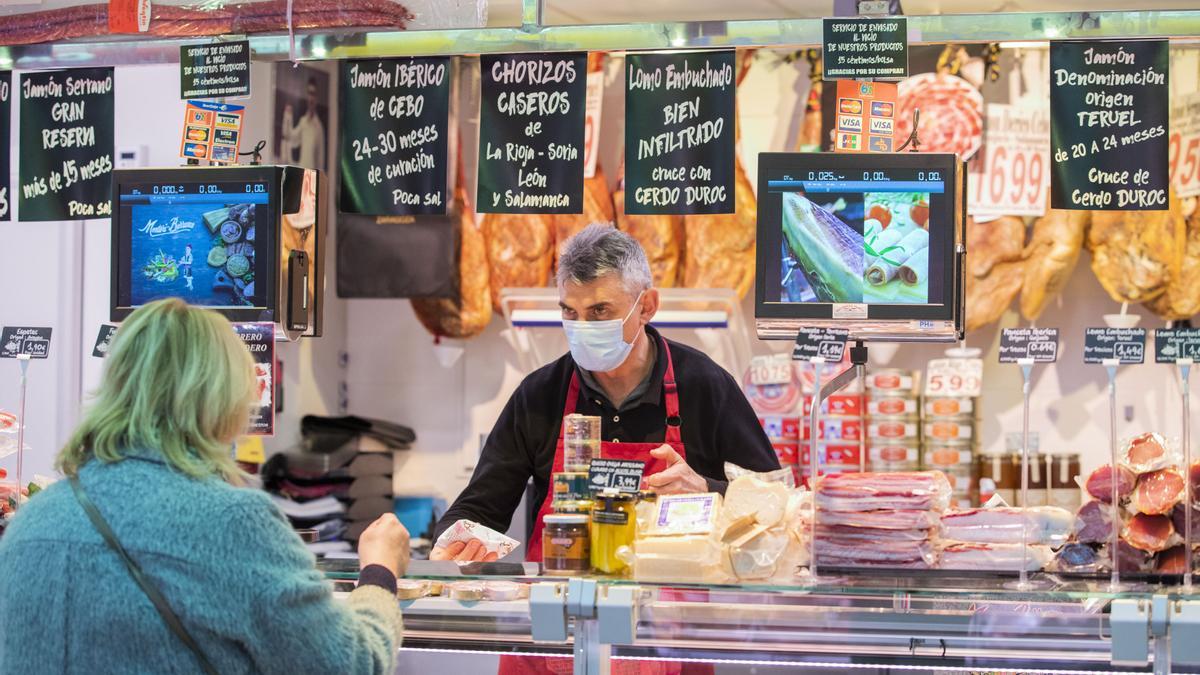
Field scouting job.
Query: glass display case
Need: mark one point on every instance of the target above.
(920, 621)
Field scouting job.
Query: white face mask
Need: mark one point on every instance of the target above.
(600, 346)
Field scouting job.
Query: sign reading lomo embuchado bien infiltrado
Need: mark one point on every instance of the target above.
(531, 116)
(216, 70)
(260, 340)
(393, 142)
(1172, 345)
(5, 153)
(865, 49)
(679, 133)
(1037, 344)
(1108, 125)
(1125, 345)
(66, 150)
(25, 340)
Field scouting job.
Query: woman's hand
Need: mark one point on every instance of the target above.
(385, 542)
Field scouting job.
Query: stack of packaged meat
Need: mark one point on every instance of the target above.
(991, 538)
(1150, 494)
(880, 519)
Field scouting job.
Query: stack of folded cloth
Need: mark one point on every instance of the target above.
(340, 482)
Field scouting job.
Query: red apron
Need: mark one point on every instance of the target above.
(558, 665)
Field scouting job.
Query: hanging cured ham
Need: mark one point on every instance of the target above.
(1050, 258)
(597, 201)
(995, 268)
(661, 236)
(1135, 254)
(1149, 533)
(1157, 492)
(719, 249)
(467, 314)
(520, 251)
(1099, 483)
(1182, 297)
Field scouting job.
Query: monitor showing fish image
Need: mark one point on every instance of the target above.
(866, 242)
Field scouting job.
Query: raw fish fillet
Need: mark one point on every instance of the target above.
(870, 491)
(1003, 525)
(880, 520)
(1148, 452)
(996, 557)
(891, 551)
(1149, 533)
(830, 253)
(1157, 492)
(1099, 483)
(1093, 523)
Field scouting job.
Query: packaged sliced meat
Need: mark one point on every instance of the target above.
(1129, 558)
(1003, 525)
(891, 551)
(834, 561)
(1077, 558)
(848, 534)
(1148, 452)
(869, 491)
(1149, 533)
(1099, 483)
(995, 557)
(1157, 492)
(1093, 523)
(1173, 560)
(1177, 519)
(880, 520)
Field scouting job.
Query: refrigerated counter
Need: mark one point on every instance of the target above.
(924, 621)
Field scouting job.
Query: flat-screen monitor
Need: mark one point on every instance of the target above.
(867, 242)
(219, 237)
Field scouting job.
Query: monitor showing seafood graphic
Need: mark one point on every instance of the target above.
(865, 242)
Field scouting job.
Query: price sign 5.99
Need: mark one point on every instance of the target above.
(954, 378)
(1012, 172)
(1183, 150)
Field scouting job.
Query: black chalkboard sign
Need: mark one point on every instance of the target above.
(1126, 345)
(624, 475)
(1037, 344)
(214, 70)
(104, 340)
(1108, 125)
(66, 144)
(865, 49)
(394, 117)
(823, 343)
(531, 116)
(679, 132)
(1173, 344)
(5, 150)
(22, 340)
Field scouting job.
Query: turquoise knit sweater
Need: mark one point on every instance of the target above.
(239, 578)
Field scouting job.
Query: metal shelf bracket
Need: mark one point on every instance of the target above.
(548, 612)
(1130, 621)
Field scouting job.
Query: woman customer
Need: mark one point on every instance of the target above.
(234, 589)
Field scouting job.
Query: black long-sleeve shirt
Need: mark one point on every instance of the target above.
(718, 426)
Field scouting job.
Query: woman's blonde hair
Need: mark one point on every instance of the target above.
(178, 381)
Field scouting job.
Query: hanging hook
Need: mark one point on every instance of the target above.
(912, 138)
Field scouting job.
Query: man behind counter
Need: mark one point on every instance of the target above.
(659, 401)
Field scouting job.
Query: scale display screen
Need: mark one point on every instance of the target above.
(865, 242)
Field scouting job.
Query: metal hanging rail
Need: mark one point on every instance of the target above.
(535, 37)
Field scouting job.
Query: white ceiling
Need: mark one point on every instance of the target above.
(508, 12)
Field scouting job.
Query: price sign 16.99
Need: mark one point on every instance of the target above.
(1012, 172)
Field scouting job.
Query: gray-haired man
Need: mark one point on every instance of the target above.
(659, 402)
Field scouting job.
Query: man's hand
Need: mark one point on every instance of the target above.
(464, 551)
(677, 478)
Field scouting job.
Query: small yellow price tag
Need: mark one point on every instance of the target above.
(250, 450)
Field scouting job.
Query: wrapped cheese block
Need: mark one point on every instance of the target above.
(520, 251)
(1135, 254)
(467, 314)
